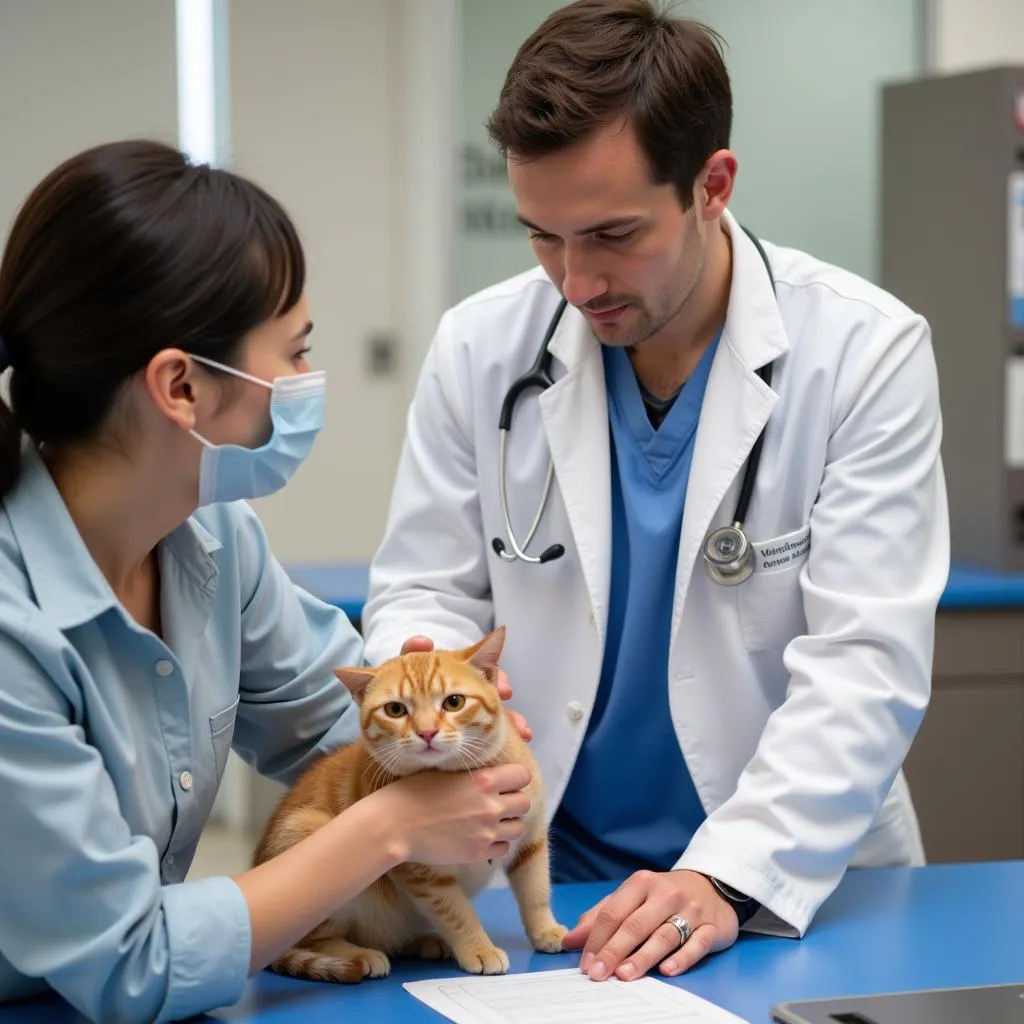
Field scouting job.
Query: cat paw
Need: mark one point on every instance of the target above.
(549, 940)
(431, 947)
(484, 960)
(372, 963)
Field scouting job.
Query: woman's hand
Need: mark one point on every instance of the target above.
(457, 817)
(424, 643)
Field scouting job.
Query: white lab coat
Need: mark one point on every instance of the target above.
(795, 695)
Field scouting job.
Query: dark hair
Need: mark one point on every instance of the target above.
(597, 60)
(124, 250)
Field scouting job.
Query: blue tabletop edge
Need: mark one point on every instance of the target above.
(345, 584)
(973, 587)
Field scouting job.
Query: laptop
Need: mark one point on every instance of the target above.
(986, 1004)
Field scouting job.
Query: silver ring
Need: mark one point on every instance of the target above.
(682, 927)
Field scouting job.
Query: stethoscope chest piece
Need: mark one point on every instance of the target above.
(728, 556)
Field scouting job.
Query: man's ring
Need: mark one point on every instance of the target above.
(682, 927)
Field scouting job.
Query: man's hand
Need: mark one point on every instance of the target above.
(424, 643)
(627, 933)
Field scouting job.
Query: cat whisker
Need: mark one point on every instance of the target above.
(379, 771)
(477, 743)
(477, 751)
(386, 760)
(396, 757)
(470, 759)
(465, 763)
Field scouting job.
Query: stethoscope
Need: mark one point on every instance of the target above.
(728, 555)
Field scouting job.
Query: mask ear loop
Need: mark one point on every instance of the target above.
(225, 369)
(230, 369)
(199, 437)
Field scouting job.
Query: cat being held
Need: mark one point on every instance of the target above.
(436, 710)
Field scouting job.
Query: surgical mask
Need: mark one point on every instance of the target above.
(231, 472)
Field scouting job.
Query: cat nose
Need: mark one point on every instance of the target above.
(426, 734)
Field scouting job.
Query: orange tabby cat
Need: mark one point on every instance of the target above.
(437, 710)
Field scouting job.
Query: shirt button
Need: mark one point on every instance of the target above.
(593, 621)
(169, 860)
(164, 667)
(574, 709)
(185, 781)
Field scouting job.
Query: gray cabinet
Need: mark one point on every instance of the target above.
(966, 767)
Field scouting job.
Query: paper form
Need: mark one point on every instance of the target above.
(564, 997)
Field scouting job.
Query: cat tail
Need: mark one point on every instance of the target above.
(310, 965)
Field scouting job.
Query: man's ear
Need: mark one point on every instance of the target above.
(484, 656)
(357, 680)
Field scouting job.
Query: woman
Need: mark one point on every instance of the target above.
(153, 319)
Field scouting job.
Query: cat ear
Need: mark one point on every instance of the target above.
(356, 679)
(484, 656)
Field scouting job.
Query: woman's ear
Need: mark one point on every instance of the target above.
(169, 381)
(357, 680)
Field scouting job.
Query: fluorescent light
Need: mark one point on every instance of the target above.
(197, 120)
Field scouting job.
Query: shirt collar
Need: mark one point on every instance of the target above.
(68, 585)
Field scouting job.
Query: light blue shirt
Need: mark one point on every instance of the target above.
(631, 803)
(113, 742)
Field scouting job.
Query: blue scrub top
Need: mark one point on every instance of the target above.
(630, 802)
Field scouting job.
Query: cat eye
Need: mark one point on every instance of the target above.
(454, 702)
(394, 709)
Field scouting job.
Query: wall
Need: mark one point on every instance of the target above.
(805, 79)
(428, 72)
(312, 98)
(968, 34)
(73, 75)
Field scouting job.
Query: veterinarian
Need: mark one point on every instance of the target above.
(153, 321)
(697, 478)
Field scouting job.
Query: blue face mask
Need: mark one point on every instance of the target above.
(231, 472)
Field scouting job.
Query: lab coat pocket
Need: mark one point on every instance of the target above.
(222, 730)
(771, 607)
